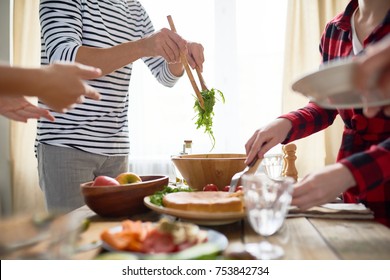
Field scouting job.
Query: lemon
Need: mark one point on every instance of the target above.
(128, 178)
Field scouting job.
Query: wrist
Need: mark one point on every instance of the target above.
(285, 126)
(176, 69)
(137, 49)
(345, 175)
(35, 81)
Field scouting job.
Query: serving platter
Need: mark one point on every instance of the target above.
(199, 218)
(332, 87)
(216, 242)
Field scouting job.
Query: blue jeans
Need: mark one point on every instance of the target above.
(62, 170)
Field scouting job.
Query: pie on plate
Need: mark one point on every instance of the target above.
(210, 201)
(198, 217)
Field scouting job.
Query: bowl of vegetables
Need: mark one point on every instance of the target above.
(200, 170)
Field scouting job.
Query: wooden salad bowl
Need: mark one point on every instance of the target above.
(202, 169)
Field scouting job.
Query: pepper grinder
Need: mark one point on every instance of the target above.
(290, 157)
(284, 162)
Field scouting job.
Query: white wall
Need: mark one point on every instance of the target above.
(5, 58)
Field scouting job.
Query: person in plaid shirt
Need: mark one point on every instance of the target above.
(362, 170)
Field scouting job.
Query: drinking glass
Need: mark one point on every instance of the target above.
(266, 203)
(39, 236)
(273, 165)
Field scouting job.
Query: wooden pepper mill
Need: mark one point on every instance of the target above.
(289, 169)
(284, 162)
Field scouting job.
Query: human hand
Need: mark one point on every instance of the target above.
(62, 85)
(322, 186)
(19, 109)
(373, 74)
(165, 43)
(265, 138)
(195, 55)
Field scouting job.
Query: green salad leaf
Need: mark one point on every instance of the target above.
(157, 197)
(205, 116)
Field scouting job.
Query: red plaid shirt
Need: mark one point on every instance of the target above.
(365, 147)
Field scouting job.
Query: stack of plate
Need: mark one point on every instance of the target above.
(333, 87)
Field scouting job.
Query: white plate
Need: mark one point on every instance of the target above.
(216, 242)
(332, 87)
(199, 218)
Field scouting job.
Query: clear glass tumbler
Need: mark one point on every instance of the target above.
(266, 202)
(273, 165)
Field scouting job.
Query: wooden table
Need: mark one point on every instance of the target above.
(301, 238)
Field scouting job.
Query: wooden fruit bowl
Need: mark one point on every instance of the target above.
(122, 200)
(202, 169)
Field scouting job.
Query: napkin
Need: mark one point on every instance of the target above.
(334, 211)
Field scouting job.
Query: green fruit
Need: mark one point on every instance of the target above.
(85, 225)
(116, 256)
(204, 251)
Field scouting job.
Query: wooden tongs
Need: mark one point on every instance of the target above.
(184, 61)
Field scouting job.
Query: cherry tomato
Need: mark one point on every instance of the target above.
(239, 188)
(210, 188)
(226, 188)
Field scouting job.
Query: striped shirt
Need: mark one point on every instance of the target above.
(99, 127)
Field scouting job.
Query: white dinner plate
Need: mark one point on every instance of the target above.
(199, 218)
(216, 242)
(332, 87)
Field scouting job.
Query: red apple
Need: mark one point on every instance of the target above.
(104, 181)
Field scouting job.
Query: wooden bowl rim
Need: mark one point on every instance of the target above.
(210, 157)
(159, 178)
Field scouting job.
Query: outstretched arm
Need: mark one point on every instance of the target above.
(59, 86)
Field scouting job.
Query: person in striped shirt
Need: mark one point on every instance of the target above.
(362, 170)
(60, 86)
(92, 138)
